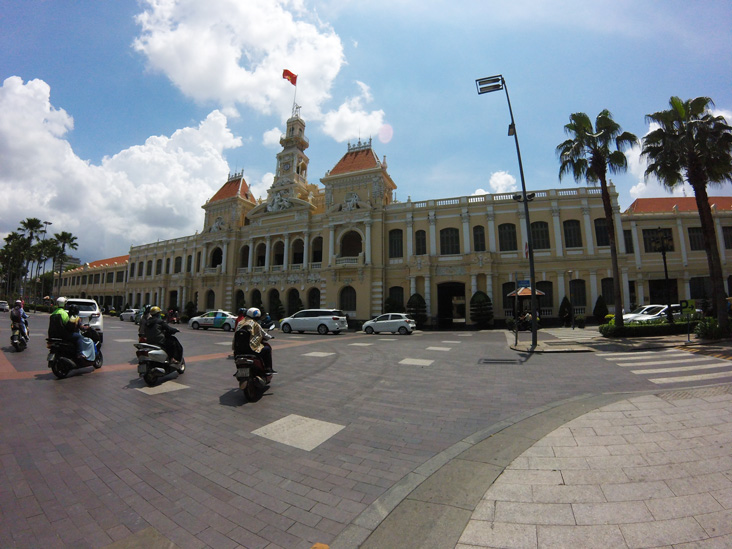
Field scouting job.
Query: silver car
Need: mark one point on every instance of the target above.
(128, 314)
(391, 322)
(315, 320)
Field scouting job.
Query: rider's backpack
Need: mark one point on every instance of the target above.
(15, 315)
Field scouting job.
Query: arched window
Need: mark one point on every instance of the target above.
(298, 252)
(420, 243)
(260, 255)
(395, 244)
(351, 244)
(189, 263)
(479, 238)
(314, 298)
(317, 253)
(256, 298)
(607, 290)
(578, 293)
(602, 235)
(148, 271)
(178, 264)
(545, 301)
(572, 234)
(132, 270)
(159, 267)
(449, 241)
(293, 302)
(348, 299)
(540, 235)
(210, 300)
(239, 300)
(217, 257)
(507, 237)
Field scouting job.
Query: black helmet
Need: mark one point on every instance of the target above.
(73, 310)
(242, 311)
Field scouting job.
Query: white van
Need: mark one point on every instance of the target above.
(312, 320)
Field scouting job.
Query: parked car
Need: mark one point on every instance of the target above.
(391, 322)
(658, 315)
(643, 309)
(4, 306)
(90, 313)
(128, 314)
(214, 319)
(315, 320)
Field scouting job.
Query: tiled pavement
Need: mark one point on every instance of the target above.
(88, 467)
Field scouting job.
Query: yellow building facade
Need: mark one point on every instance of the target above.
(348, 244)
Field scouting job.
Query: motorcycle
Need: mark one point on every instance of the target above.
(267, 324)
(17, 339)
(251, 372)
(153, 363)
(172, 318)
(62, 354)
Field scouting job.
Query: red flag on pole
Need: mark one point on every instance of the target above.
(288, 75)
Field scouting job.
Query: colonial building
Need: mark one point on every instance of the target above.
(348, 244)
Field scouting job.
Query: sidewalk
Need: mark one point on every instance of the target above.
(611, 470)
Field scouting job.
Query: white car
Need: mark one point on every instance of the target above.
(315, 320)
(4, 306)
(214, 319)
(128, 314)
(90, 313)
(391, 322)
(642, 310)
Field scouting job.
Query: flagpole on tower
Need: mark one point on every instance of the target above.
(291, 77)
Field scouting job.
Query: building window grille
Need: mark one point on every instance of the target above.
(395, 244)
(572, 234)
(696, 238)
(449, 241)
(507, 237)
(540, 235)
(479, 238)
(420, 243)
(602, 234)
(628, 237)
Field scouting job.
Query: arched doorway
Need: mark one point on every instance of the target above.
(239, 300)
(217, 257)
(450, 304)
(314, 298)
(293, 302)
(210, 300)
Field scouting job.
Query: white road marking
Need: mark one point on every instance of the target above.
(416, 362)
(298, 431)
(361, 344)
(700, 377)
(165, 387)
(439, 348)
(318, 354)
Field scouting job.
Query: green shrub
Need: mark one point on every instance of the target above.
(511, 324)
(646, 329)
(579, 321)
(417, 307)
(707, 328)
(600, 311)
(481, 309)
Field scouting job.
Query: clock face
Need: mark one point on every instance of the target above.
(286, 166)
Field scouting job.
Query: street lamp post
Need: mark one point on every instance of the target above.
(497, 83)
(45, 230)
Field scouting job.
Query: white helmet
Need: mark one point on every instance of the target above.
(254, 313)
(61, 301)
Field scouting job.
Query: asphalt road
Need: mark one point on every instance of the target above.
(98, 458)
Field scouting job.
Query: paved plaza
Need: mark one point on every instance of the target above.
(450, 439)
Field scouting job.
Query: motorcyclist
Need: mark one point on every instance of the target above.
(87, 344)
(144, 316)
(158, 332)
(18, 316)
(257, 335)
(59, 327)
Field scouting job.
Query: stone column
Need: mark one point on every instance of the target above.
(589, 233)
(286, 261)
(367, 254)
(331, 246)
(410, 234)
(557, 231)
(465, 217)
(267, 251)
(433, 233)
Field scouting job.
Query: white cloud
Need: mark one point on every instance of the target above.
(271, 138)
(351, 120)
(233, 52)
(502, 182)
(146, 192)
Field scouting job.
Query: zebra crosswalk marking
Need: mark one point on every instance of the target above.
(643, 363)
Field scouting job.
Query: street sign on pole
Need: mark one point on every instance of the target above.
(524, 284)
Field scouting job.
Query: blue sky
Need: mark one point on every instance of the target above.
(118, 119)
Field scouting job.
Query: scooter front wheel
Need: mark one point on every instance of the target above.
(150, 379)
(256, 387)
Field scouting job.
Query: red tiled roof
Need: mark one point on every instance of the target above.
(356, 161)
(119, 260)
(682, 203)
(233, 187)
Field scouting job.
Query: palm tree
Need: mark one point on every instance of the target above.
(692, 145)
(589, 154)
(31, 226)
(63, 239)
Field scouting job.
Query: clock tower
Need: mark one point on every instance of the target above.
(290, 179)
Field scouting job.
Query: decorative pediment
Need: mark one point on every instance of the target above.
(352, 202)
(283, 205)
